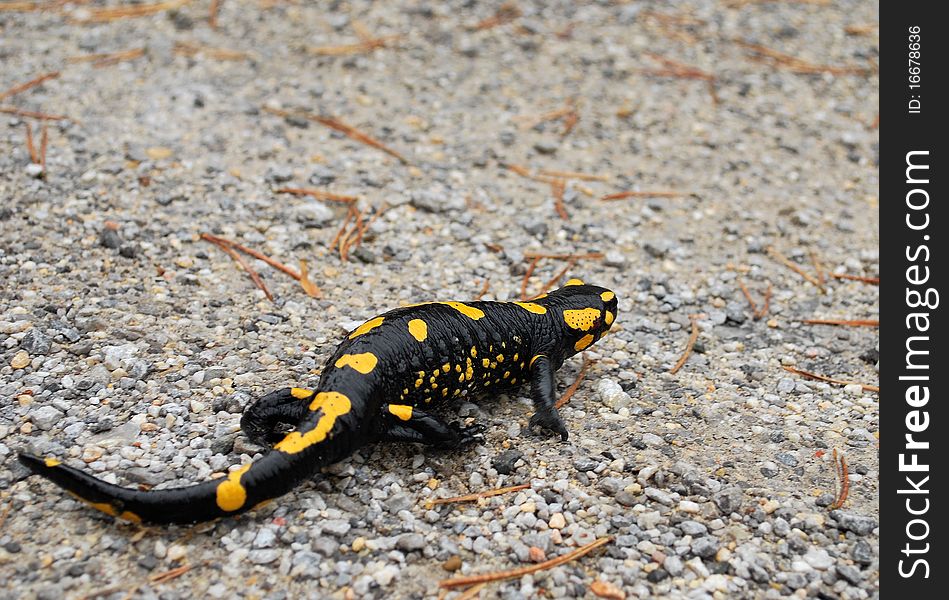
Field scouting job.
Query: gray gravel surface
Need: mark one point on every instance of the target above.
(129, 346)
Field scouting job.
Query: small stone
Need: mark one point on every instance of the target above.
(504, 462)
(45, 417)
(263, 557)
(536, 554)
(385, 575)
(410, 542)
(109, 238)
(693, 528)
(20, 360)
(819, 559)
(176, 552)
(862, 552)
(265, 538)
(850, 573)
(557, 521)
(35, 342)
(546, 147)
(705, 547)
(851, 522)
(452, 564)
(687, 506)
(728, 500)
(398, 502)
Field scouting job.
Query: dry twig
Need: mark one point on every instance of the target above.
(515, 573)
(318, 194)
(484, 289)
(12, 110)
(30, 146)
(114, 13)
(44, 139)
(228, 248)
(478, 495)
(680, 70)
(643, 194)
(104, 59)
(775, 254)
(212, 13)
(573, 175)
(794, 64)
(505, 14)
(693, 337)
(169, 575)
(844, 323)
(29, 84)
(192, 49)
(343, 128)
(870, 280)
(570, 391)
(815, 376)
(843, 479)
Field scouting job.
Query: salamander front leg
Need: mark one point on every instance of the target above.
(403, 423)
(268, 420)
(542, 393)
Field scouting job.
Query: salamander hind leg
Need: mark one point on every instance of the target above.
(403, 423)
(267, 420)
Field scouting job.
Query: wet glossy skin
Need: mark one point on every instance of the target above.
(379, 386)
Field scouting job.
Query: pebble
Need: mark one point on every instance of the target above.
(45, 417)
(504, 462)
(35, 342)
(20, 360)
(819, 559)
(858, 524)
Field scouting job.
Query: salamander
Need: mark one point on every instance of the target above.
(379, 386)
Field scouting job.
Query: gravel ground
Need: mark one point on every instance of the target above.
(130, 346)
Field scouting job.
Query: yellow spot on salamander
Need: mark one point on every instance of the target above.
(469, 311)
(474, 352)
(607, 296)
(507, 374)
(534, 359)
(515, 358)
(458, 368)
(418, 329)
(537, 309)
(366, 327)
(581, 319)
(461, 377)
(500, 358)
(111, 511)
(446, 367)
(231, 495)
(513, 381)
(418, 383)
(583, 342)
(574, 282)
(402, 411)
(445, 392)
(301, 393)
(333, 405)
(608, 318)
(485, 362)
(494, 365)
(364, 363)
(52, 462)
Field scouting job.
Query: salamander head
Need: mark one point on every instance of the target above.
(583, 312)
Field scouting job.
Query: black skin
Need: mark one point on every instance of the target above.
(380, 386)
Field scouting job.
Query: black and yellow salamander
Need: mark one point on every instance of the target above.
(379, 386)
